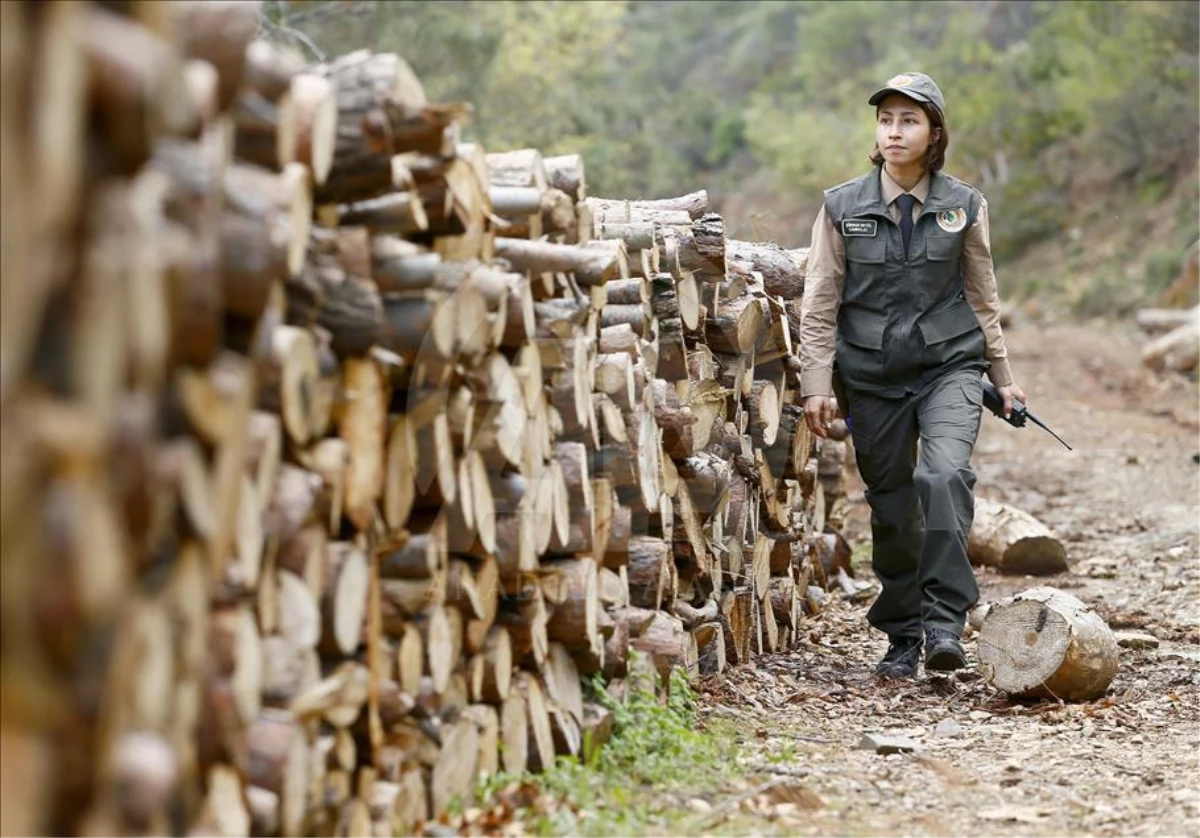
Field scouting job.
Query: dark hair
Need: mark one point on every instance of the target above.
(935, 158)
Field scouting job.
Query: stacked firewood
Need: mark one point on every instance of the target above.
(337, 450)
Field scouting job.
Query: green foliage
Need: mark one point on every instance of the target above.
(1046, 98)
(657, 749)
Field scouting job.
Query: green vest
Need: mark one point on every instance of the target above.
(904, 322)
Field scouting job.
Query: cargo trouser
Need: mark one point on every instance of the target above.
(922, 504)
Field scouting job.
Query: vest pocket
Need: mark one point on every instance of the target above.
(948, 323)
(869, 249)
(942, 248)
(863, 329)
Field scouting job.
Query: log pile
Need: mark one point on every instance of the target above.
(337, 450)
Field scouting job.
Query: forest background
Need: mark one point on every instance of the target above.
(1080, 121)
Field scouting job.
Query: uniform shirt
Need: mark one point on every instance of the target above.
(826, 275)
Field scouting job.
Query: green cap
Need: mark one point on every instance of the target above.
(917, 86)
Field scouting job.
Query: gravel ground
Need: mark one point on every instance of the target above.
(977, 762)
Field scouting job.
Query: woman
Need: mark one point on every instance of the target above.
(901, 318)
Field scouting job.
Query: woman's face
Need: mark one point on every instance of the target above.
(902, 131)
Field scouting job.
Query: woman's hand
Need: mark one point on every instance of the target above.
(818, 413)
(1009, 393)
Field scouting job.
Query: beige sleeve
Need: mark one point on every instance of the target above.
(823, 284)
(979, 285)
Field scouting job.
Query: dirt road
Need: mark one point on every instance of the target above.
(1126, 503)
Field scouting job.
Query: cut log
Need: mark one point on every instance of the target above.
(399, 490)
(328, 459)
(1013, 541)
(1176, 351)
(734, 328)
(299, 612)
(514, 734)
(237, 654)
(710, 645)
(567, 174)
(667, 644)
(419, 324)
(591, 266)
(497, 666)
(676, 420)
(1156, 321)
(525, 617)
(362, 427)
(269, 71)
(707, 479)
(400, 212)
(288, 379)
(648, 558)
(737, 607)
(277, 761)
(344, 603)
(289, 670)
(137, 84)
(1047, 643)
(487, 721)
(570, 586)
(695, 204)
(781, 275)
(764, 413)
(453, 775)
(264, 232)
(220, 34)
(309, 116)
(378, 97)
(541, 736)
(333, 291)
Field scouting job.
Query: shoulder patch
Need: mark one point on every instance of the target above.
(952, 221)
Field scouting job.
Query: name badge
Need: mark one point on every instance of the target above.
(859, 226)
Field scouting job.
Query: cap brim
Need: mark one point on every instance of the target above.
(910, 93)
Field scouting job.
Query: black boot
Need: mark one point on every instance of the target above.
(943, 651)
(901, 659)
